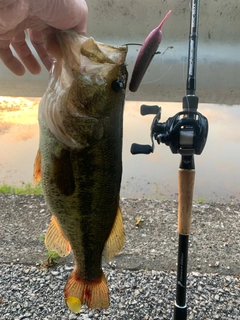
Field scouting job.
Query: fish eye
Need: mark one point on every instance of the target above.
(117, 85)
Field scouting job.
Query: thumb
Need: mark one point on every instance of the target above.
(46, 45)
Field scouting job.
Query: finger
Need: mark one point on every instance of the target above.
(10, 61)
(6, 3)
(63, 14)
(39, 45)
(12, 13)
(51, 43)
(25, 54)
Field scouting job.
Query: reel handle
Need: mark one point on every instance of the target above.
(141, 148)
(145, 110)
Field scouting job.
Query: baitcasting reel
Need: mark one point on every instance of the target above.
(185, 133)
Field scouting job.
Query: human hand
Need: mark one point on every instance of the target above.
(42, 19)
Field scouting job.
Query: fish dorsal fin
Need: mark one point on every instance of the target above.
(55, 239)
(115, 241)
(37, 168)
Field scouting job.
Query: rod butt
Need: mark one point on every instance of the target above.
(180, 313)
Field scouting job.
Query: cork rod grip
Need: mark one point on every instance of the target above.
(185, 197)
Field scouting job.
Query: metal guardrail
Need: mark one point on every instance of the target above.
(118, 22)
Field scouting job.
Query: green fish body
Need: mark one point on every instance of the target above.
(80, 161)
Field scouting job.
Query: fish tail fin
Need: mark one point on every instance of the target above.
(37, 168)
(55, 239)
(78, 291)
(115, 241)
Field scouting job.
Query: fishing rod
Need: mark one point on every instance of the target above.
(185, 133)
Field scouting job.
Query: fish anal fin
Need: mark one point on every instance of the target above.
(78, 291)
(115, 241)
(37, 168)
(55, 239)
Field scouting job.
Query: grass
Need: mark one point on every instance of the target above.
(52, 257)
(200, 200)
(25, 188)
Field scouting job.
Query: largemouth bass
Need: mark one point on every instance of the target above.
(80, 161)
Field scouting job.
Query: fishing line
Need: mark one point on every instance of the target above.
(132, 44)
(172, 63)
(156, 53)
(173, 60)
(190, 4)
(184, 64)
(191, 26)
(190, 7)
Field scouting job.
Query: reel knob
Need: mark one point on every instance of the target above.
(144, 110)
(141, 149)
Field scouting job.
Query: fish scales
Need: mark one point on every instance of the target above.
(93, 204)
(80, 161)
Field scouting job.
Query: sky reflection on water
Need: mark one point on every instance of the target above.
(149, 176)
(216, 168)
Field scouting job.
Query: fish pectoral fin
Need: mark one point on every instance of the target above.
(55, 239)
(78, 291)
(115, 241)
(37, 168)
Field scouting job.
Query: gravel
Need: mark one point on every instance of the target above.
(35, 293)
(142, 278)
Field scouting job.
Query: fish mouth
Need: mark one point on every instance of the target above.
(93, 50)
(72, 106)
(93, 59)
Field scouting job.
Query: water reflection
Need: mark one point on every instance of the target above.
(150, 176)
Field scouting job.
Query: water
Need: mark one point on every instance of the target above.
(149, 176)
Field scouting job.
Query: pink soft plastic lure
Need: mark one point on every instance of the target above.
(146, 54)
